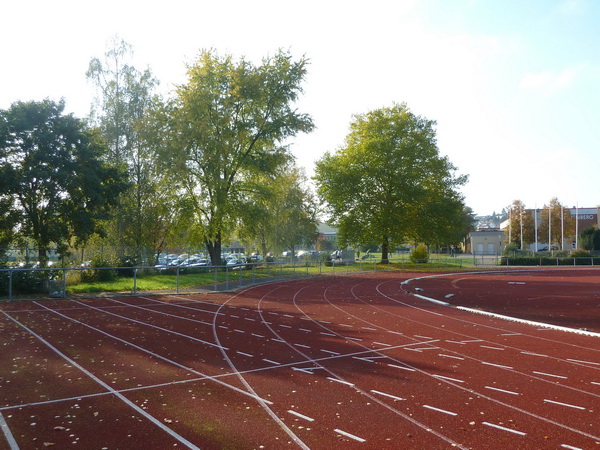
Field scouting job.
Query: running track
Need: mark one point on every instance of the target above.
(352, 361)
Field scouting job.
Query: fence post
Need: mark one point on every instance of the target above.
(177, 280)
(216, 277)
(226, 278)
(135, 281)
(10, 275)
(64, 283)
(241, 269)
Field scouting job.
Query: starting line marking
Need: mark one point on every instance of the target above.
(570, 447)
(245, 354)
(447, 378)
(497, 365)
(440, 410)
(502, 390)
(351, 436)
(400, 367)
(347, 383)
(271, 361)
(584, 362)
(302, 416)
(450, 356)
(550, 375)
(564, 404)
(493, 425)
(387, 395)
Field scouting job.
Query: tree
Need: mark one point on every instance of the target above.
(126, 95)
(229, 121)
(389, 184)
(555, 223)
(59, 185)
(521, 227)
(589, 238)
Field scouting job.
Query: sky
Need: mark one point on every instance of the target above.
(513, 85)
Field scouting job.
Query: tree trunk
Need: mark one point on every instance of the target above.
(214, 250)
(385, 244)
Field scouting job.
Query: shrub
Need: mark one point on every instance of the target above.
(98, 270)
(419, 254)
(579, 253)
(510, 249)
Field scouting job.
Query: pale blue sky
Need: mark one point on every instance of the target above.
(512, 84)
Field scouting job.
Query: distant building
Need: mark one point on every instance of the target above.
(486, 242)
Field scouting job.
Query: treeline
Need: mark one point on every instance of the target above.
(211, 163)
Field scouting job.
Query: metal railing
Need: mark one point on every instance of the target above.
(59, 282)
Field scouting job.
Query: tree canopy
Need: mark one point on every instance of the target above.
(51, 164)
(389, 184)
(229, 121)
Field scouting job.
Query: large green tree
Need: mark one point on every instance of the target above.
(143, 217)
(230, 120)
(51, 167)
(389, 184)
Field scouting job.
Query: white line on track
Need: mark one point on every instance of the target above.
(448, 378)
(257, 335)
(570, 447)
(550, 375)
(245, 354)
(450, 413)
(595, 382)
(12, 444)
(250, 319)
(401, 367)
(284, 326)
(423, 337)
(491, 348)
(534, 354)
(451, 356)
(270, 361)
(306, 330)
(330, 352)
(212, 344)
(302, 416)
(302, 345)
(387, 395)
(502, 390)
(583, 362)
(369, 328)
(347, 383)
(497, 365)
(106, 386)
(395, 332)
(348, 435)
(493, 425)
(238, 331)
(345, 325)
(564, 404)
(381, 343)
(327, 334)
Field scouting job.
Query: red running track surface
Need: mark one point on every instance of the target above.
(355, 361)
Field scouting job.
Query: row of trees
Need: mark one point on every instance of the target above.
(554, 225)
(212, 163)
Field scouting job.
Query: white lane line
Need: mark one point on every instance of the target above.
(468, 341)
(348, 435)
(323, 321)
(327, 334)
(245, 309)
(401, 367)
(250, 319)
(502, 390)
(344, 325)
(387, 395)
(440, 410)
(362, 359)
(302, 416)
(583, 362)
(306, 318)
(12, 444)
(447, 378)
(284, 326)
(395, 332)
(257, 335)
(224, 327)
(245, 354)
(493, 425)
(564, 404)
(306, 330)
(491, 348)
(381, 343)
(351, 338)
(238, 331)
(273, 313)
(550, 375)
(270, 361)
(510, 334)
(570, 447)
(109, 388)
(330, 352)
(595, 382)
(347, 383)
(369, 328)
(454, 342)
(496, 365)
(278, 340)
(423, 337)
(288, 315)
(302, 345)
(450, 356)
(233, 315)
